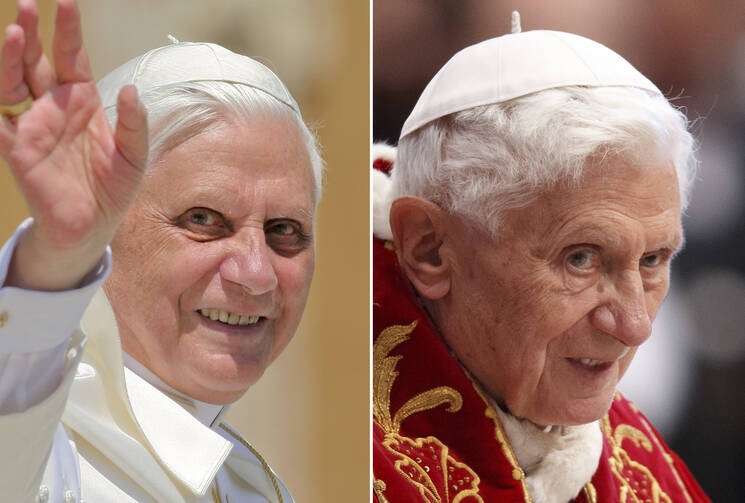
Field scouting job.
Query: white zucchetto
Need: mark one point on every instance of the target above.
(184, 62)
(514, 65)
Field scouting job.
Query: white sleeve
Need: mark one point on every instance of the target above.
(36, 328)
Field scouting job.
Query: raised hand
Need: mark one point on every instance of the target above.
(76, 175)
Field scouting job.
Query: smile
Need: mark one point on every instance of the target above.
(591, 363)
(229, 318)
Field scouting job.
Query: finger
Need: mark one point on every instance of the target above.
(38, 71)
(12, 87)
(131, 133)
(70, 58)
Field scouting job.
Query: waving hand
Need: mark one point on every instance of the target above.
(77, 176)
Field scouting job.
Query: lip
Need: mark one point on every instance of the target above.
(598, 373)
(236, 310)
(232, 329)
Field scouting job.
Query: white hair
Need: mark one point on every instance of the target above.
(179, 112)
(482, 161)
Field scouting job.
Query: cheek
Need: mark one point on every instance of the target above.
(623, 365)
(654, 298)
(294, 277)
(189, 271)
(544, 309)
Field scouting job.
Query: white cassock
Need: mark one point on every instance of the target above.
(77, 425)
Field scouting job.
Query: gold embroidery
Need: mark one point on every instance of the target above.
(215, 497)
(517, 471)
(379, 486)
(414, 464)
(264, 464)
(591, 495)
(419, 460)
(385, 373)
(625, 468)
(669, 460)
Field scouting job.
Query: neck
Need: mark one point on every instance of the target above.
(206, 413)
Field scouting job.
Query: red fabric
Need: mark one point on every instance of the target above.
(383, 165)
(467, 438)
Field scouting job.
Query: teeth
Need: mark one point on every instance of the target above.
(589, 362)
(228, 317)
(248, 320)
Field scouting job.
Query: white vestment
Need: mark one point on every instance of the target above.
(76, 425)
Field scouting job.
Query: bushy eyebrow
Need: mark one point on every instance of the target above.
(601, 235)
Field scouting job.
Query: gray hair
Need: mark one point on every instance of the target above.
(179, 112)
(485, 160)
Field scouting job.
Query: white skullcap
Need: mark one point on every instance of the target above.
(518, 64)
(185, 62)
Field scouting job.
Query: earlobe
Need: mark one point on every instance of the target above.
(418, 232)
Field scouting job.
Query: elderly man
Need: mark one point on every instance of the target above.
(210, 217)
(534, 205)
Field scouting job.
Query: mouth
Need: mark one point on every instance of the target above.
(590, 365)
(588, 362)
(229, 318)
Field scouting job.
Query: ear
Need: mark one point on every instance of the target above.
(418, 232)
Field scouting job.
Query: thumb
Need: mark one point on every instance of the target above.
(130, 134)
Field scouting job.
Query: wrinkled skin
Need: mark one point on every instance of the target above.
(225, 221)
(578, 274)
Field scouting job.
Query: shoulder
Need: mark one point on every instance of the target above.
(636, 458)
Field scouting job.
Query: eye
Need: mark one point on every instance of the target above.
(283, 229)
(286, 236)
(654, 259)
(583, 259)
(202, 216)
(204, 222)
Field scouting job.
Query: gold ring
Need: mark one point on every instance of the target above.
(11, 111)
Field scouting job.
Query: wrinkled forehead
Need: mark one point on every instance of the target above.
(236, 162)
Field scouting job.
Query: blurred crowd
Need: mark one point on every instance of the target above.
(689, 378)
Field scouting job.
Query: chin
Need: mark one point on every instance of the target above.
(585, 410)
(223, 383)
(569, 412)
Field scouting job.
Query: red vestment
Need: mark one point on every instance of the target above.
(437, 440)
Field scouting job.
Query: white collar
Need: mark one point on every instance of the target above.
(206, 413)
(126, 418)
(557, 461)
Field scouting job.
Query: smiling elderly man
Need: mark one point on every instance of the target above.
(208, 200)
(534, 205)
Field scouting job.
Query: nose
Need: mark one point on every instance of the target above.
(624, 314)
(248, 263)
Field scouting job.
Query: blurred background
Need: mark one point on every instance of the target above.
(309, 414)
(689, 378)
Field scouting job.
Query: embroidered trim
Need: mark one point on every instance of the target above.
(421, 458)
(591, 495)
(669, 460)
(504, 443)
(264, 464)
(215, 497)
(623, 467)
(378, 487)
(416, 459)
(384, 375)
